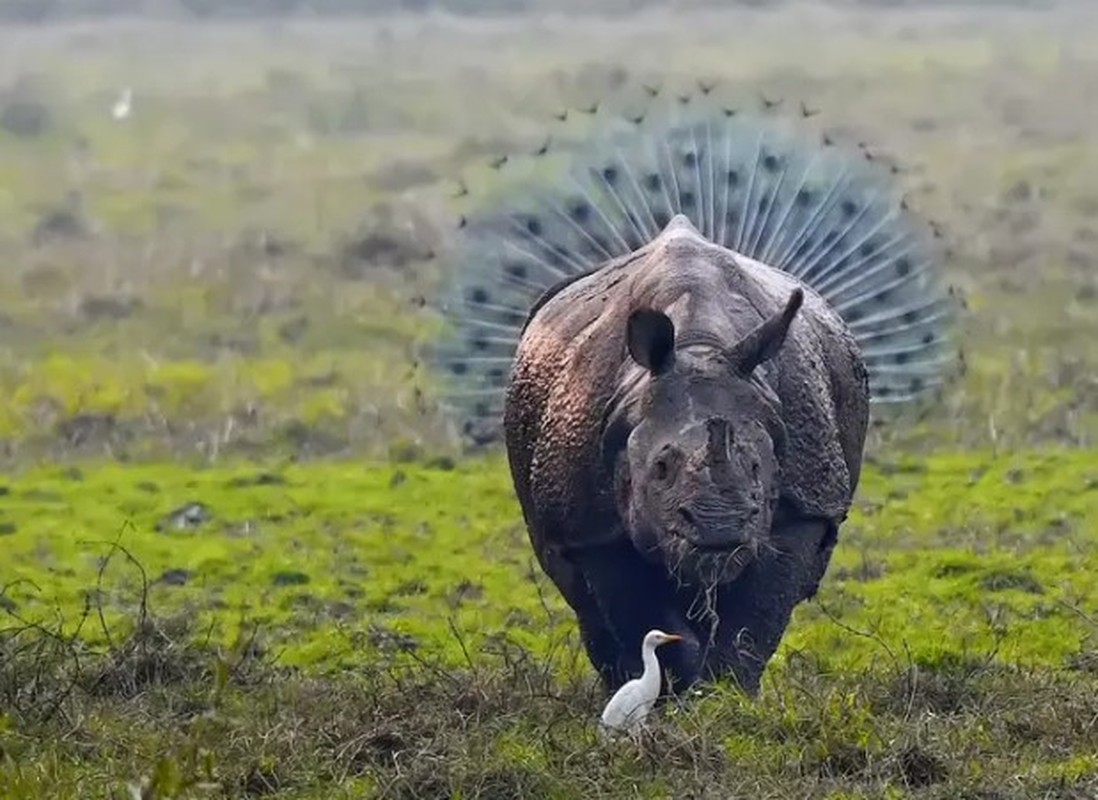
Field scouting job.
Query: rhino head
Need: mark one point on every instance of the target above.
(696, 451)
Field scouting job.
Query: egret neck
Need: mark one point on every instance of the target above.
(650, 678)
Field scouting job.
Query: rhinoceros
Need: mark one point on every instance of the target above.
(679, 333)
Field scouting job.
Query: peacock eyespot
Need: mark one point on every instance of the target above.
(580, 211)
(516, 270)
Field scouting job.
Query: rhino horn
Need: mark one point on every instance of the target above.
(720, 444)
(765, 340)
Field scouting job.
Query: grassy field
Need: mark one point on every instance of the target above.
(243, 557)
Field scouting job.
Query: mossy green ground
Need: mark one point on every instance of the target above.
(954, 552)
(212, 307)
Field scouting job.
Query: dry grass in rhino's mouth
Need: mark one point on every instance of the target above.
(732, 551)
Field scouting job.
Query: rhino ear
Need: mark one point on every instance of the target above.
(764, 342)
(650, 337)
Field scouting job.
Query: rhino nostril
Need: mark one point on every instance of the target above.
(687, 516)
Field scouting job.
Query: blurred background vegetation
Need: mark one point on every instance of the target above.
(50, 10)
(238, 264)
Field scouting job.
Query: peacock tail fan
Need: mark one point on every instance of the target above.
(763, 182)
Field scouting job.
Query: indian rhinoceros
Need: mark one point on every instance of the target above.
(679, 331)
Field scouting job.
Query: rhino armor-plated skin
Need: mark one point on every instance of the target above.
(573, 373)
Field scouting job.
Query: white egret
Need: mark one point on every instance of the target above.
(123, 105)
(632, 702)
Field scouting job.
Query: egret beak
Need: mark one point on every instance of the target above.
(673, 637)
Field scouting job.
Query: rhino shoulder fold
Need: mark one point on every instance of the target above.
(825, 400)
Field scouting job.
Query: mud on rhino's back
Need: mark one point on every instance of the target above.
(564, 372)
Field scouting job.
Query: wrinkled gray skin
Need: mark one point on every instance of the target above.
(685, 430)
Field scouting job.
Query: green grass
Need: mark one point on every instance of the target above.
(955, 610)
(323, 557)
(357, 611)
(957, 551)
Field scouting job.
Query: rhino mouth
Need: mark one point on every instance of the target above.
(708, 563)
(702, 547)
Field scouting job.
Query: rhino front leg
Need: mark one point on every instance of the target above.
(631, 597)
(754, 610)
(598, 640)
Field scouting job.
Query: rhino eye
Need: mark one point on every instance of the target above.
(665, 464)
